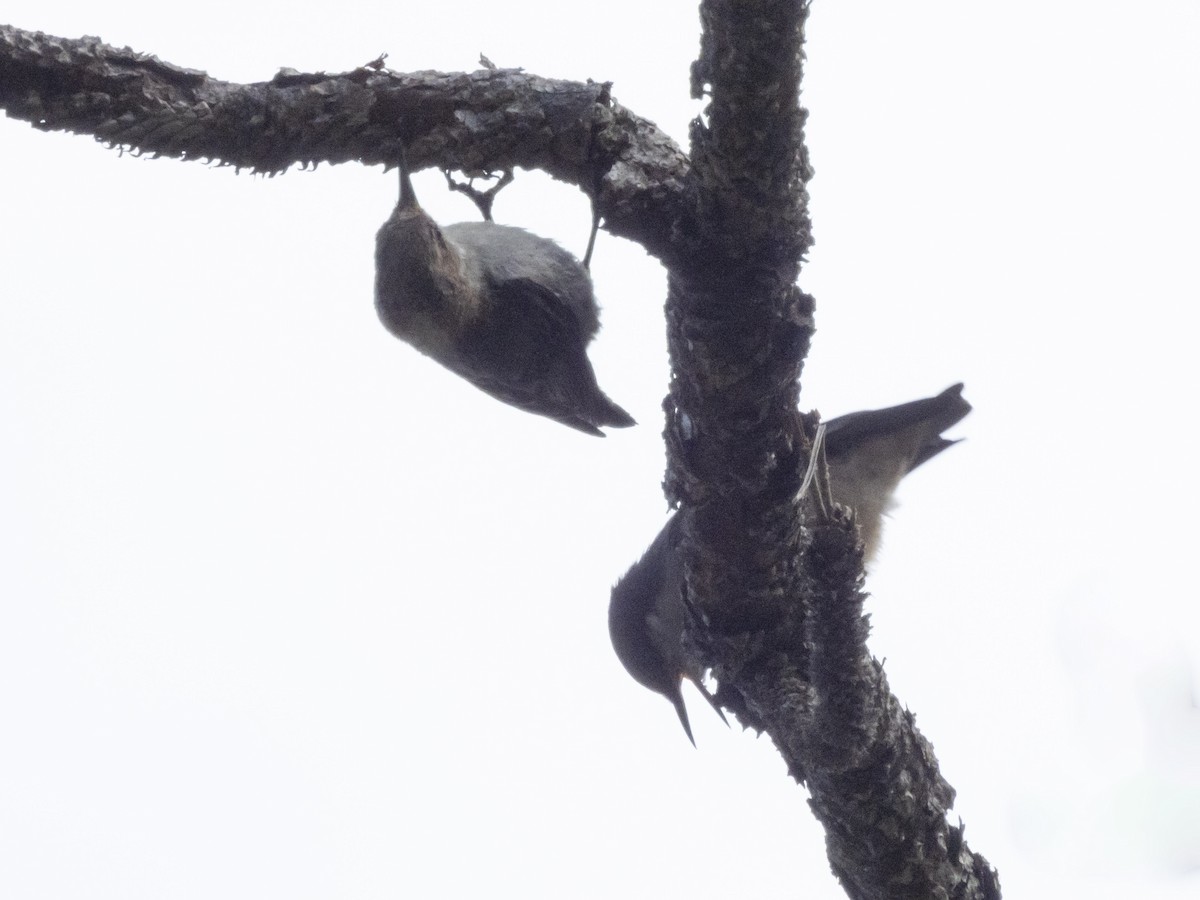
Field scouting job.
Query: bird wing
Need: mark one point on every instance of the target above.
(532, 354)
(844, 433)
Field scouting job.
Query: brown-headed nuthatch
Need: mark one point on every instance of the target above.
(646, 620)
(509, 311)
(868, 454)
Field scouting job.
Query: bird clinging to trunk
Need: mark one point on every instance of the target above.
(509, 311)
(868, 454)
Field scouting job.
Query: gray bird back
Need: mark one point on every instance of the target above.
(507, 253)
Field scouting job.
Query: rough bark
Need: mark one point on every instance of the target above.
(778, 588)
(475, 122)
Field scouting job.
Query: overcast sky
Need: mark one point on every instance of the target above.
(286, 610)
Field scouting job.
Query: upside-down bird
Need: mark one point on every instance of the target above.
(868, 454)
(509, 311)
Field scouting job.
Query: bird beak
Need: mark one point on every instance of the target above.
(677, 700)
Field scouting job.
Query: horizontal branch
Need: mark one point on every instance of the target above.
(476, 122)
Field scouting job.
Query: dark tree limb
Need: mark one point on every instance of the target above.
(777, 587)
(776, 584)
(476, 122)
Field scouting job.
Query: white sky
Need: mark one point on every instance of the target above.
(288, 611)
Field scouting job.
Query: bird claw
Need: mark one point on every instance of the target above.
(816, 477)
(482, 199)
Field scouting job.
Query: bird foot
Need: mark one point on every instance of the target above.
(816, 477)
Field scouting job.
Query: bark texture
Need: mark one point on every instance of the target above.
(777, 587)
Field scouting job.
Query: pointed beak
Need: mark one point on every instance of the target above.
(677, 699)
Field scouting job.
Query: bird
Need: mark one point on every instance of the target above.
(509, 311)
(646, 620)
(868, 453)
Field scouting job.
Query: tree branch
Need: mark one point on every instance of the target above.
(778, 586)
(477, 122)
